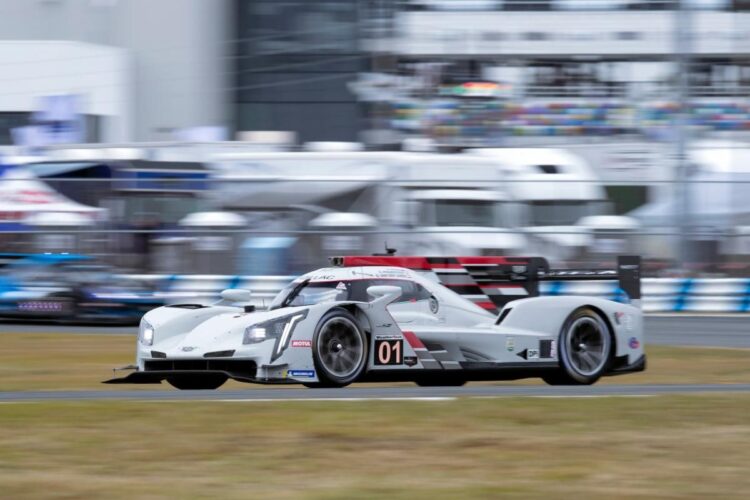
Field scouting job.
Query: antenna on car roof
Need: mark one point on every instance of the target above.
(389, 252)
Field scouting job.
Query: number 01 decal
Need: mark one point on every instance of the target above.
(389, 352)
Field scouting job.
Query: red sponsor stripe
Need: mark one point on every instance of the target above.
(446, 266)
(482, 260)
(347, 280)
(422, 263)
(408, 262)
(413, 340)
(486, 305)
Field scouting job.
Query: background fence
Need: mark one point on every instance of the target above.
(659, 294)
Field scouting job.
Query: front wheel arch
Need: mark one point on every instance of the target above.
(359, 342)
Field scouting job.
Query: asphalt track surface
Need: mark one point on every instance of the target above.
(673, 329)
(690, 330)
(364, 393)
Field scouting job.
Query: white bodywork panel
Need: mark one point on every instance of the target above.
(437, 330)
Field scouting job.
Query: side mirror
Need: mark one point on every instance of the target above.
(236, 295)
(385, 293)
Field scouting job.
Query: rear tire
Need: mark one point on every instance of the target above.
(205, 382)
(340, 349)
(585, 348)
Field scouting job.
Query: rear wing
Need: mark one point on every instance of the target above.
(627, 274)
(492, 282)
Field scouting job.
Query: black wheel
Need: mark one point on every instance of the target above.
(441, 381)
(206, 382)
(584, 349)
(339, 349)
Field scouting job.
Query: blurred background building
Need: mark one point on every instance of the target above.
(142, 69)
(465, 72)
(252, 136)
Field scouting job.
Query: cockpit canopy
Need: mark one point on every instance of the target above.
(304, 292)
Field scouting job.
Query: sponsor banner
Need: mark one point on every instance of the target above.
(388, 337)
(41, 306)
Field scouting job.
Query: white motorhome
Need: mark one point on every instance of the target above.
(566, 211)
(422, 203)
(457, 203)
(717, 211)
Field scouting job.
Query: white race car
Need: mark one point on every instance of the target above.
(434, 321)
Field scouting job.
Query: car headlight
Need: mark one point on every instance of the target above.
(280, 329)
(146, 333)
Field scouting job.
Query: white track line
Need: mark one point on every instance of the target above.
(591, 396)
(326, 400)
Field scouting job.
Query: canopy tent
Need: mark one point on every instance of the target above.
(23, 197)
(213, 219)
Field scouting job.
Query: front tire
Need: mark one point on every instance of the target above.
(205, 382)
(585, 349)
(340, 349)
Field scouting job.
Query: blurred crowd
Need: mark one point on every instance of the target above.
(492, 120)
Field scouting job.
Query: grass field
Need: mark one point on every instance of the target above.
(60, 361)
(624, 447)
(656, 447)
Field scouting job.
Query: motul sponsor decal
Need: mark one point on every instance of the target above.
(301, 343)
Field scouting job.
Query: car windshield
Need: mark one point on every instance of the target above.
(305, 293)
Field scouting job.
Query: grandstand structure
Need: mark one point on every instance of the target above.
(491, 72)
